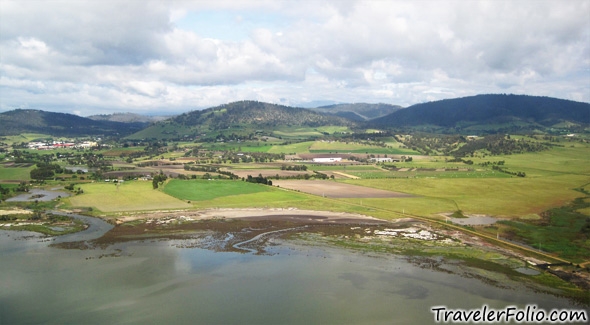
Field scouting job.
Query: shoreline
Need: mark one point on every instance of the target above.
(255, 213)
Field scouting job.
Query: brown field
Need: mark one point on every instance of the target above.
(337, 190)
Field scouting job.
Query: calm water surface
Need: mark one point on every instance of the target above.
(159, 282)
(38, 195)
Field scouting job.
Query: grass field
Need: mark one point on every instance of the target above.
(560, 231)
(300, 147)
(15, 173)
(297, 132)
(429, 174)
(247, 146)
(239, 194)
(274, 198)
(551, 177)
(129, 196)
(25, 137)
(343, 147)
(201, 190)
(511, 197)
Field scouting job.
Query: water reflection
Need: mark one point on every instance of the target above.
(38, 195)
(156, 281)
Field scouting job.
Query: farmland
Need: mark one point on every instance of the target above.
(517, 188)
(15, 172)
(344, 147)
(202, 190)
(129, 196)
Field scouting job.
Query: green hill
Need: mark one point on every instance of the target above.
(60, 124)
(239, 117)
(491, 113)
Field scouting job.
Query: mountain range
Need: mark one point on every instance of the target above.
(482, 113)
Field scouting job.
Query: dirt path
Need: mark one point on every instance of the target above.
(347, 175)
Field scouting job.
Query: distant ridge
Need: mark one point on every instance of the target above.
(127, 118)
(475, 112)
(358, 111)
(60, 124)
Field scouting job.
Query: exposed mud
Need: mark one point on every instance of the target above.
(255, 232)
(250, 234)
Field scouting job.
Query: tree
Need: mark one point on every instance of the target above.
(41, 173)
(4, 191)
(158, 180)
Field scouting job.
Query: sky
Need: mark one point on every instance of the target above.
(167, 57)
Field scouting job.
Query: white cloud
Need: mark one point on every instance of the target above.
(94, 56)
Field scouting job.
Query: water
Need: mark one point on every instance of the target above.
(38, 195)
(475, 220)
(158, 282)
(80, 168)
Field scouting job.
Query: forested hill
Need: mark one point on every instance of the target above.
(508, 111)
(241, 117)
(257, 114)
(358, 111)
(60, 124)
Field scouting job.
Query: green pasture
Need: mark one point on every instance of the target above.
(9, 185)
(511, 197)
(551, 176)
(239, 194)
(431, 174)
(48, 152)
(559, 232)
(419, 205)
(202, 190)
(372, 174)
(297, 132)
(247, 146)
(333, 129)
(255, 166)
(25, 137)
(172, 155)
(273, 198)
(299, 147)
(128, 196)
(15, 173)
(556, 161)
(282, 198)
(351, 147)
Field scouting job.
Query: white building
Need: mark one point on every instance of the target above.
(327, 160)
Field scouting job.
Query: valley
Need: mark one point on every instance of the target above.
(533, 186)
